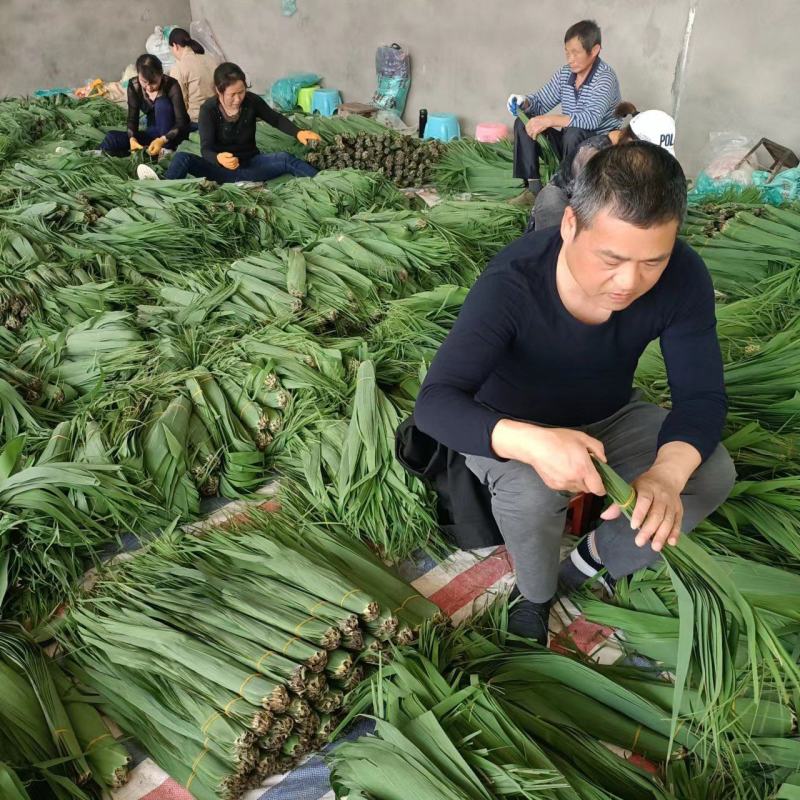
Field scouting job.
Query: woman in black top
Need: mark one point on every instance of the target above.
(228, 136)
(159, 97)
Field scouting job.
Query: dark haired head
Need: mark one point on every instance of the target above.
(226, 74)
(626, 109)
(587, 31)
(149, 67)
(181, 38)
(639, 183)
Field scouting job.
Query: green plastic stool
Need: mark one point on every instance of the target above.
(305, 97)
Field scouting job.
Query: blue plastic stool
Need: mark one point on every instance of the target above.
(326, 101)
(443, 127)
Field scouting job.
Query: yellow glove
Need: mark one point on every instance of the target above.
(134, 145)
(156, 146)
(305, 137)
(228, 160)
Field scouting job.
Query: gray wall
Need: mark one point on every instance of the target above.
(467, 55)
(741, 72)
(721, 64)
(47, 43)
(717, 64)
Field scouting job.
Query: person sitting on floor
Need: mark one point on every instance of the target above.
(159, 98)
(228, 137)
(587, 90)
(194, 71)
(536, 378)
(653, 126)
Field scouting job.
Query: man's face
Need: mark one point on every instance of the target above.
(579, 59)
(614, 262)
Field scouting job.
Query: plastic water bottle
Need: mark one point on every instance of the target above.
(423, 121)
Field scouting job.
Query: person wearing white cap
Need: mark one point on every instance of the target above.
(654, 126)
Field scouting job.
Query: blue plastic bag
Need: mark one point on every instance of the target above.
(783, 188)
(56, 90)
(284, 90)
(393, 66)
(708, 188)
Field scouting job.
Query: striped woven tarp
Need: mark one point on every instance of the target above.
(461, 585)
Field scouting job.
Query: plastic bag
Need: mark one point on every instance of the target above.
(726, 150)
(201, 32)
(392, 120)
(393, 67)
(284, 90)
(53, 91)
(725, 168)
(128, 73)
(392, 61)
(94, 87)
(783, 188)
(157, 44)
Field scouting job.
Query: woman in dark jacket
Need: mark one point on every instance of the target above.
(228, 137)
(159, 98)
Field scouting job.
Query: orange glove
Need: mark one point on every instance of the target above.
(134, 145)
(306, 137)
(228, 160)
(156, 146)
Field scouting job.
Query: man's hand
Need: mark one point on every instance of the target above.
(537, 125)
(560, 456)
(516, 102)
(658, 513)
(134, 144)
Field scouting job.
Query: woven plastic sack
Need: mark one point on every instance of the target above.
(157, 44)
(393, 68)
(284, 90)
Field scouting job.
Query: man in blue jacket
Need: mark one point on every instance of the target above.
(587, 90)
(536, 377)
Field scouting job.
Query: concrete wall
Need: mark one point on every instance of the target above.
(47, 43)
(467, 55)
(716, 64)
(720, 64)
(741, 72)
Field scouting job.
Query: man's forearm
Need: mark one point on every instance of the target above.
(678, 460)
(506, 438)
(558, 120)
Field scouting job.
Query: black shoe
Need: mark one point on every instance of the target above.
(534, 186)
(571, 579)
(528, 619)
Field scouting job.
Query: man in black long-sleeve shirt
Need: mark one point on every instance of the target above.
(537, 373)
